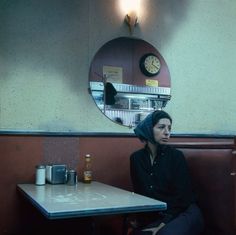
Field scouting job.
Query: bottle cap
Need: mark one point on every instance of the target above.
(40, 167)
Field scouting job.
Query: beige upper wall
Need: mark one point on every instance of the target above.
(46, 48)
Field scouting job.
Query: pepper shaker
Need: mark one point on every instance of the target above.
(72, 177)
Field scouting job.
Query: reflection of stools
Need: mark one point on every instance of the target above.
(118, 120)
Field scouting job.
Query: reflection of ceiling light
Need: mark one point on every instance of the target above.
(136, 97)
(139, 96)
(146, 109)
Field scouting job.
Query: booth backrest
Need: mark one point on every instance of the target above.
(212, 168)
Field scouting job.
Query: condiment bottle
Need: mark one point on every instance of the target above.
(71, 177)
(87, 169)
(40, 175)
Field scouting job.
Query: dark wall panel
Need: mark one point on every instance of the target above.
(18, 156)
(110, 158)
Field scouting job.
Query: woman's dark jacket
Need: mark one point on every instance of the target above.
(167, 179)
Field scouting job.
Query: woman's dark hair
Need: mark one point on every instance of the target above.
(159, 114)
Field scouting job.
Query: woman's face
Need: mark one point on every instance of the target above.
(161, 131)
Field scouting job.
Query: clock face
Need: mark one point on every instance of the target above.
(150, 64)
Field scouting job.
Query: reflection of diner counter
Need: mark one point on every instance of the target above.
(65, 201)
(130, 102)
(128, 88)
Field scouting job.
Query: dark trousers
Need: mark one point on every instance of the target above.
(189, 222)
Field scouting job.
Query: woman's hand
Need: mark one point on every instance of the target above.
(154, 230)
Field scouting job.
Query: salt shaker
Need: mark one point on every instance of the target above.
(40, 175)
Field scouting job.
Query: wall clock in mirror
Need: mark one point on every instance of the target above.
(150, 64)
(128, 79)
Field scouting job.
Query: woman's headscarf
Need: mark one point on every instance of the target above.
(144, 130)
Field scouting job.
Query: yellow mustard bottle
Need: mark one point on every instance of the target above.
(88, 169)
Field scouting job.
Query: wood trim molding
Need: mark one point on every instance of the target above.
(192, 136)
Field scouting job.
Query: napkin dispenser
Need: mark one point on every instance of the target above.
(56, 174)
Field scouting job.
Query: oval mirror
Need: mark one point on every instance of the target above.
(128, 79)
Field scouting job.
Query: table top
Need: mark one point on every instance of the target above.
(66, 201)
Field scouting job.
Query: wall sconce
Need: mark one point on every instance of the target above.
(131, 9)
(131, 19)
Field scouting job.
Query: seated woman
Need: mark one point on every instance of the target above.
(160, 171)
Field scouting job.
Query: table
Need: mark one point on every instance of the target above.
(66, 201)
